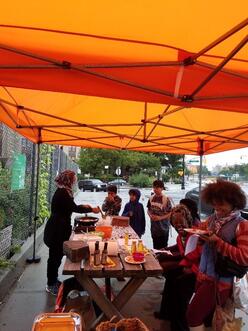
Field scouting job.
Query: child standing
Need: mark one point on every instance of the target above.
(159, 208)
(112, 203)
(135, 210)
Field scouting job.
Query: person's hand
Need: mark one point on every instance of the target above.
(87, 206)
(154, 217)
(210, 238)
(96, 210)
(110, 198)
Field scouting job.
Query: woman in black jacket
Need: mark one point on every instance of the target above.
(58, 227)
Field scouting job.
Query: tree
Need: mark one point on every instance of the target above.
(173, 162)
(93, 162)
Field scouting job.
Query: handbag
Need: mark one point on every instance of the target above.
(224, 318)
(240, 293)
(225, 267)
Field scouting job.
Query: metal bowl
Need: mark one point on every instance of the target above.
(85, 221)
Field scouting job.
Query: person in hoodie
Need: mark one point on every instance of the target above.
(135, 210)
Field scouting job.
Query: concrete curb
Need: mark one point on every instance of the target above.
(9, 276)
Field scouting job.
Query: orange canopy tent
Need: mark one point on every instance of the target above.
(166, 76)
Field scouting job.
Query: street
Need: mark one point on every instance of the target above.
(173, 191)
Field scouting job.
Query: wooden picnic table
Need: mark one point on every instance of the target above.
(85, 272)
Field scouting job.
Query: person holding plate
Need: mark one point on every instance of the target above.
(227, 238)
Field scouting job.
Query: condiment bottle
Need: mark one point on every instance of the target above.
(97, 259)
(133, 247)
(126, 238)
(140, 247)
(105, 253)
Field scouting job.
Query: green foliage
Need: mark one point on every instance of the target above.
(45, 161)
(4, 263)
(141, 180)
(14, 206)
(15, 249)
(166, 178)
(102, 163)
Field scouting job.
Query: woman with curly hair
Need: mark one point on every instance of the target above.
(227, 238)
(58, 227)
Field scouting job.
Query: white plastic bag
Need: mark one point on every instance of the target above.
(240, 293)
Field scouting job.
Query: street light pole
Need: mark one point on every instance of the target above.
(183, 175)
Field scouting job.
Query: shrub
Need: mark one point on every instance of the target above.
(166, 178)
(141, 180)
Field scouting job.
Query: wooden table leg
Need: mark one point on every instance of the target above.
(108, 287)
(124, 295)
(95, 292)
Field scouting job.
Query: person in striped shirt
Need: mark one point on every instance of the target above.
(228, 236)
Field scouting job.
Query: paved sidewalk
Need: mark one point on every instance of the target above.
(28, 298)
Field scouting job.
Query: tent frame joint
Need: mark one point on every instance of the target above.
(187, 98)
(20, 107)
(66, 65)
(189, 61)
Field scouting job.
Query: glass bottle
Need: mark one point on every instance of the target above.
(126, 238)
(140, 247)
(97, 260)
(133, 247)
(105, 253)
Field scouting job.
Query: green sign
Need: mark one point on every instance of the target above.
(18, 172)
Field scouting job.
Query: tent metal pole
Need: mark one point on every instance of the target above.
(183, 175)
(35, 258)
(200, 186)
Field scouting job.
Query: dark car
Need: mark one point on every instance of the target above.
(93, 185)
(118, 181)
(194, 195)
(207, 209)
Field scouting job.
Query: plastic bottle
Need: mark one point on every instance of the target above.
(97, 260)
(105, 253)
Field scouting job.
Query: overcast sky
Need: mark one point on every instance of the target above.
(237, 156)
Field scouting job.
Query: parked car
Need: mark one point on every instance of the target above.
(118, 181)
(207, 209)
(194, 195)
(93, 185)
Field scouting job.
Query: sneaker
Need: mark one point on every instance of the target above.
(52, 289)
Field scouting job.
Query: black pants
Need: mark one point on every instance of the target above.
(184, 286)
(161, 241)
(53, 263)
(166, 309)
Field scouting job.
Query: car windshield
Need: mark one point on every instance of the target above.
(97, 181)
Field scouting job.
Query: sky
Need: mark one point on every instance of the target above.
(237, 156)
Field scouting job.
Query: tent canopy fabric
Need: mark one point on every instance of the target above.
(166, 76)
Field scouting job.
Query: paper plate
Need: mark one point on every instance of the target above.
(129, 259)
(197, 231)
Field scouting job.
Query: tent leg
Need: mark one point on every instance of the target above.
(35, 258)
(200, 186)
(183, 175)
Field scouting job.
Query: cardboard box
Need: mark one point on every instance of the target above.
(76, 250)
(120, 221)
